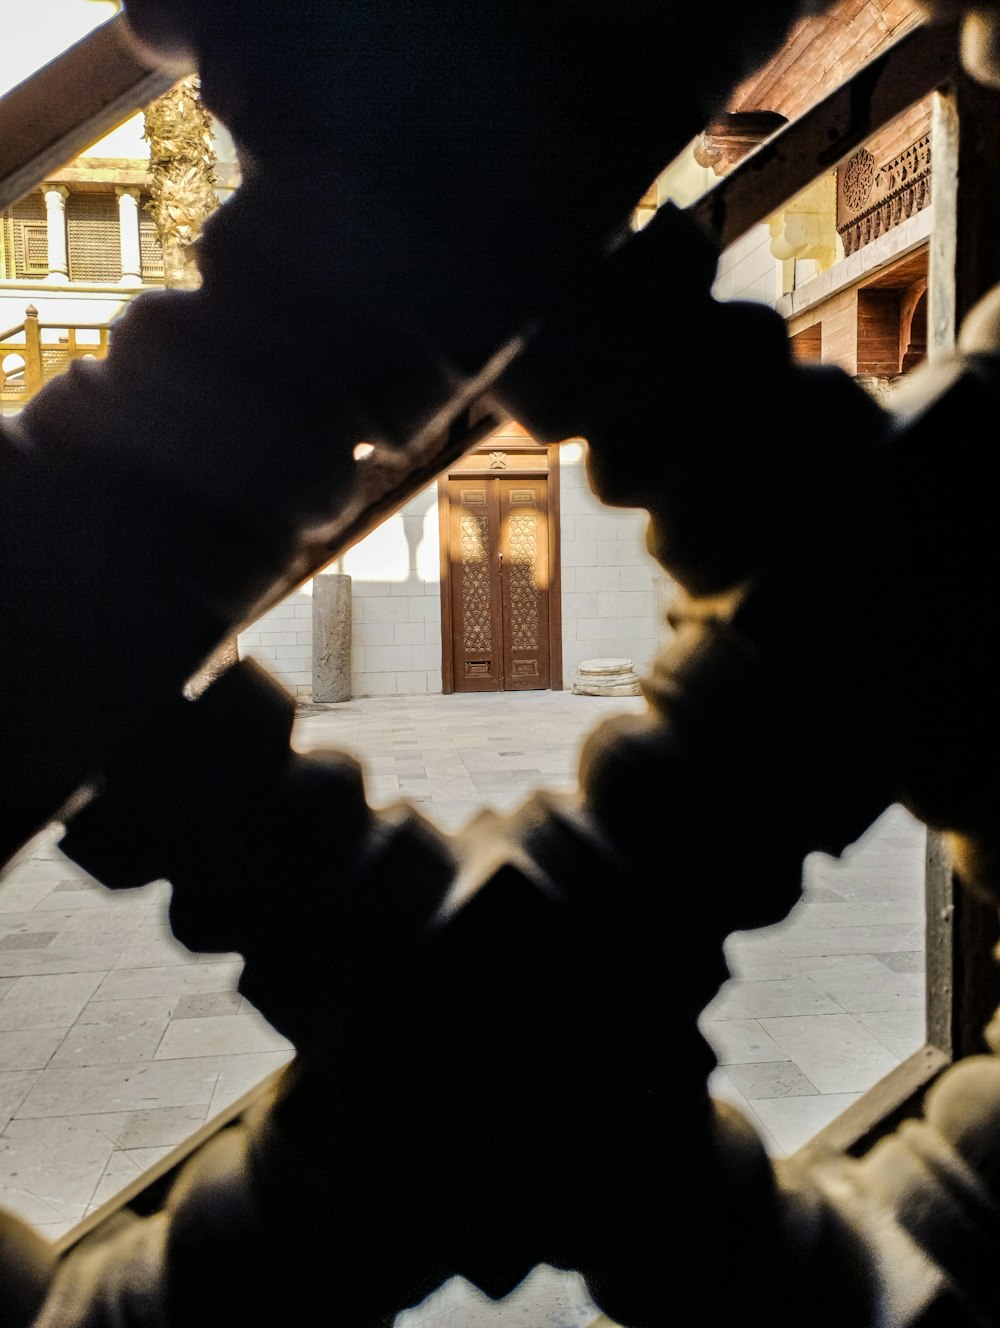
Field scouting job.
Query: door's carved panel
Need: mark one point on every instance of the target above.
(477, 633)
(523, 582)
(475, 643)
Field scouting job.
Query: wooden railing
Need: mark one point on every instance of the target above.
(33, 353)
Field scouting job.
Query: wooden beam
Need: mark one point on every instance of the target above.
(918, 64)
(71, 103)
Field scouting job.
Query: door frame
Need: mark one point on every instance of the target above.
(505, 457)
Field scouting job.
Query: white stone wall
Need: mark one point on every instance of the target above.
(282, 641)
(748, 270)
(396, 589)
(609, 581)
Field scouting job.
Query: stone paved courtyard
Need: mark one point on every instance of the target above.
(116, 1043)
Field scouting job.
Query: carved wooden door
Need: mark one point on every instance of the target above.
(499, 579)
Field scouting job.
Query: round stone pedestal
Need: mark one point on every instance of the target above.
(606, 677)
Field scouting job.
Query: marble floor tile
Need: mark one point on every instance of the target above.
(821, 968)
(239, 1074)
(214, 1035)
(865, 992)
(770, 1079)
(59, 958)
(723, 1088)
(89, 927)
(793, 1121)
(140, 1010)
(869, 913)
(49, 1169)
(752, 959)
(452, 816)
(151, 947)
(29, 1048)
(178, 979)
(452, 756)
(122, 1169)
(19, 893)
(834, 1051)
(15, 924)
(74, 894)
(15, 1085)
(51, 1001)
(453, 790)
(845, 940)
(902, 1031)
(210, 1003)
(91, 1089)
(779, 996)
(160, 1127)
(904, 961)
(741, 1041)
(118, 1044)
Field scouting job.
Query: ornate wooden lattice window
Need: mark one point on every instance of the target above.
(93, 237)
(25, 240)
(150, 249)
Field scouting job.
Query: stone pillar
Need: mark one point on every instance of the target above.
(665, 590)
(331, 623)
(55, 220)
(128, 225)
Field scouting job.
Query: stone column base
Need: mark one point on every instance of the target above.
(606, 677)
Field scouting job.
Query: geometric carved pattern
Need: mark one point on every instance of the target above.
(871, 202)
(477, 631)
(93, 237)
(33, 249)
(26, 223)
(859, 176)
(150, 249)
(523, 535)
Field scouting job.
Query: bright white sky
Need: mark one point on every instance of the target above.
(35, 33)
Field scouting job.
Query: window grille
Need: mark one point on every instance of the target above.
(93, 237)
(29, 233)
(151, 252)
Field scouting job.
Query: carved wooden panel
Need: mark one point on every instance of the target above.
(524, 548)
(150, 249)
(28, 251)
(494, 457)
(474, 578)
(93, 237)
(873, 196)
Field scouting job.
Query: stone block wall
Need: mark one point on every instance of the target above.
(748, 270)
(281, 640)
(609, 601)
